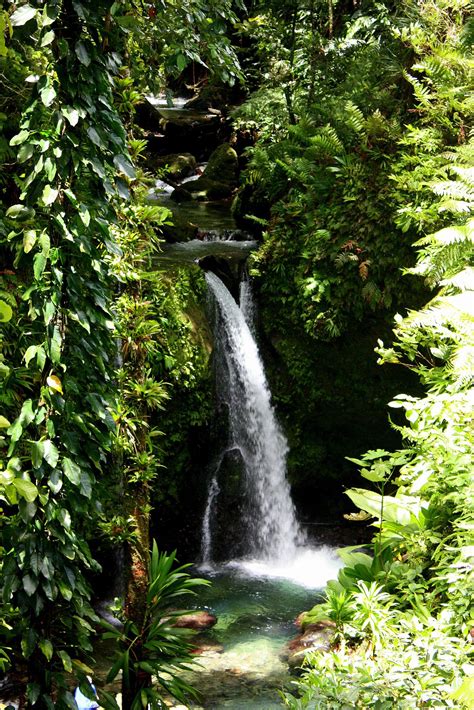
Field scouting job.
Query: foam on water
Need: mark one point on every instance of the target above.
(311, 568)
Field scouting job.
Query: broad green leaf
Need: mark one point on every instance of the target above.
(66, 659)
(48, 312)
(4, 423)
(65, 591)
(47, 648)
(20, 138)
(30, 584)
(352, 558)
(124, 166)
(55, 345)
(465, 692)
(365, 500)
(50, 14)
(15, 431)
(20, 213)
(95, 138)
(71, 114)
(82, 53)
(25, 489)
(55, 482)
(3, 47)
(71, 471)
(45, 243)
(49, 195)
(64, 518)
(5, 312)
(25, 152)
(86, 485)
(29, 240)
(50, 169)
(37, 452)
(41, 359)
(50, 453)
(47, 38)
(39, 264)
(24, 14)
(47, 568)
(373, 475)
(181, 62)
(48, 94)
(27, 415)
(84, 214)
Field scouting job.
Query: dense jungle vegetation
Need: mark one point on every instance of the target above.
(358, 180)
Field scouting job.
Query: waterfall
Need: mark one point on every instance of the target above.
(213, 492)
(271, 529)
(247, 303)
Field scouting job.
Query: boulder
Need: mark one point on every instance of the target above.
(180, 194)
(223, 165)
(315, 638)
(197, 620)
(175, 165)
(220, 177)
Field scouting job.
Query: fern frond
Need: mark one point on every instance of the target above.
(8, 297)
(354, 117)
(463, 280)
(450, 235)
(423, 93)
(466, 174)
(456, 190)
(376, 124)
(371, 293)
(327, 142)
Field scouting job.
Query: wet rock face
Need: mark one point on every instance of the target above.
(314, 638)
(229, 507)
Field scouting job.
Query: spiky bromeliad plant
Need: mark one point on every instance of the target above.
(158, 652)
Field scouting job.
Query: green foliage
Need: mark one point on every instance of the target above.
(350, 183)
(422, 556)
(419, 667)
(168, 37)
(70, 152)
(158, 647)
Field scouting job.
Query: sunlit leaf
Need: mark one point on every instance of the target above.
(24, 14)
(54, 383)
(25, 489)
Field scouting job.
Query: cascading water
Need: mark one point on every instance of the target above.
(247, 303)
(272, 531)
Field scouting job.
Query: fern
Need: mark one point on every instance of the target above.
(354, 117)
(423, 93)
(327, 143)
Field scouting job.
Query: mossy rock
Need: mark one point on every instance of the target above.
(223, 166)
(176, 165)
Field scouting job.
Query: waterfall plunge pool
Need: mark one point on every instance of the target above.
(256, 604)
